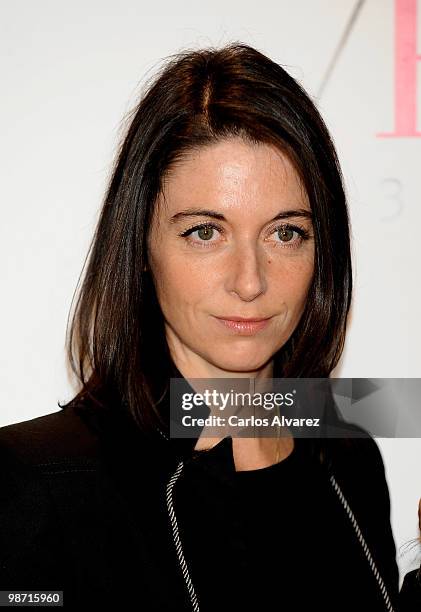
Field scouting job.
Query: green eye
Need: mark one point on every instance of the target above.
(205, 233)
(285, 234)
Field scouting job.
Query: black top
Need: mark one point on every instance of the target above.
(271, 538)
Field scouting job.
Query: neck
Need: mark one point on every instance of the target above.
(198, 368)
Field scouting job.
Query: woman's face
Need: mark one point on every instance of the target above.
(218, 251)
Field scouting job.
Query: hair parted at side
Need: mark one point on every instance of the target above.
(116, 340)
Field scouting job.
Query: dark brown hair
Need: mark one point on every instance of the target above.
(116, 341)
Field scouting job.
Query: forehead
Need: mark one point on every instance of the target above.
(234, 174)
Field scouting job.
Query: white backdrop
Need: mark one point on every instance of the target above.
(71, 71)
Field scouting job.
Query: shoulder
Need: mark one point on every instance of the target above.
(32, 454)
(353, 448)
(60, 437)
(75, 440)
(57, 472)
(29, 452)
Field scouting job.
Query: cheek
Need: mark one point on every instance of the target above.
(293, 285)
(179, 285)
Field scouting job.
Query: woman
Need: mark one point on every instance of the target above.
(226, 202)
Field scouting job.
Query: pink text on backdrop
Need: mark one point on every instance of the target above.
(406, 58)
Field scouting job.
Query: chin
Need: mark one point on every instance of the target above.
(244, 364)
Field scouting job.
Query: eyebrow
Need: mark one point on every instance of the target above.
(200, 212)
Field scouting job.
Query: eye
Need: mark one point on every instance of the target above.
(286, 234)
(290, 236)
(205, 232)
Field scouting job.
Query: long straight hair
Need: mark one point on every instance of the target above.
(115, 339)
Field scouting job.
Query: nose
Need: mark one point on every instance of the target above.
(245, 273)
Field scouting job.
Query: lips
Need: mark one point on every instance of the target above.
(243, 326)
(244, 319)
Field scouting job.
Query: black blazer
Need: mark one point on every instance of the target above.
(85, 508)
